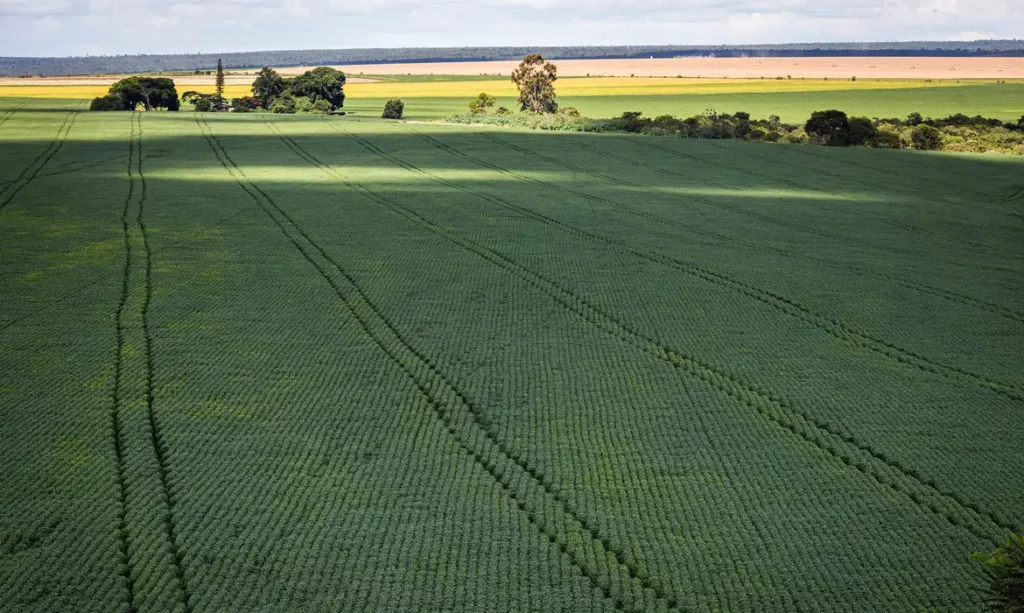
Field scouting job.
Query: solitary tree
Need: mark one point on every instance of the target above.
(535, 79)
(267, 86)
(393, 109)
(220, 81)
(481, 103)
(323, 83)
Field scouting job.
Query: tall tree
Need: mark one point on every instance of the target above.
(151, 92)
(220, 81)
(535, 79)
(267, 86)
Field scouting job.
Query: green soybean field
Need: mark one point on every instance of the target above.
(274, 364)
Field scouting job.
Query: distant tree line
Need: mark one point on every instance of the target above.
(828, 128)
(27, 66)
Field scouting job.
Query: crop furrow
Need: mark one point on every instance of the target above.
(32, 170)
(921, 287)
(831, 326)
(10, 113)
(452, 407)
(777, 410)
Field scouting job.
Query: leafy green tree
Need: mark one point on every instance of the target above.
(323, 83)
(1003, 569)
(885, 139)
(393, 109)
(862, 130)
(151, 92)
(481, 103)
(245, 104)
(535, 79)
(110, 102)
(914, 119)
(220, 81)
(268, 85)
(321, 107)
(926, 137)
(829, 128)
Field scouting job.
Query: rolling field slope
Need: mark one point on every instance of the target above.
(253, 362)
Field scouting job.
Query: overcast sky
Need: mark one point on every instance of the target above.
(80, 27)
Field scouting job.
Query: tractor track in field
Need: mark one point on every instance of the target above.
(831, 326)
(115, 413)
(820, 434)
(157, 438)
(32, 170)
(136, 199)
(4, 116)
(921, 287)
(505, 467)
(802, 228)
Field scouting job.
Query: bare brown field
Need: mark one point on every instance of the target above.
(771, 67)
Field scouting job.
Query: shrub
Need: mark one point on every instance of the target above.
(913, 119)
(203, 104)
(571, 111)
(303, 104)
(862, 130)
(283, 105)
(503, 111)
(926, 137)
(772, 137)
(756, 134)
(393, 109)
(1003, 569)
(884, 139)
(110, 102)
(829, 128)
(246, 104)
(796, 137)
(321, 107)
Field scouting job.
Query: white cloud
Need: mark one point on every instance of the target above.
(108, 26)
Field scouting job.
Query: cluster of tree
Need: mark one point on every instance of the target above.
(18, 66)
(1003, 573)
(832, 128)
(319, 91)
(127, 94)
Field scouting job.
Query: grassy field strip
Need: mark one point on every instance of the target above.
(805, 426)
(463, 422)
(859, 270)
(32, 170)
(7, 114)
(149, 540)
(789, 306)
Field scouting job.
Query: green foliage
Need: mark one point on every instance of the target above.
(110, 102)
(1003, 570)
(303, 104)
(151, 92)
(829, 128)
(481, 103)
(321, 107)
(322, 83)
(861, 131)
(503, 111)
(885, 139)
(571, 111)
(267, 86)
(926, 138)
(283, 105)
(393, 109)
(535, 79)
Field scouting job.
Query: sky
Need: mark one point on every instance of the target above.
(112, 27)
